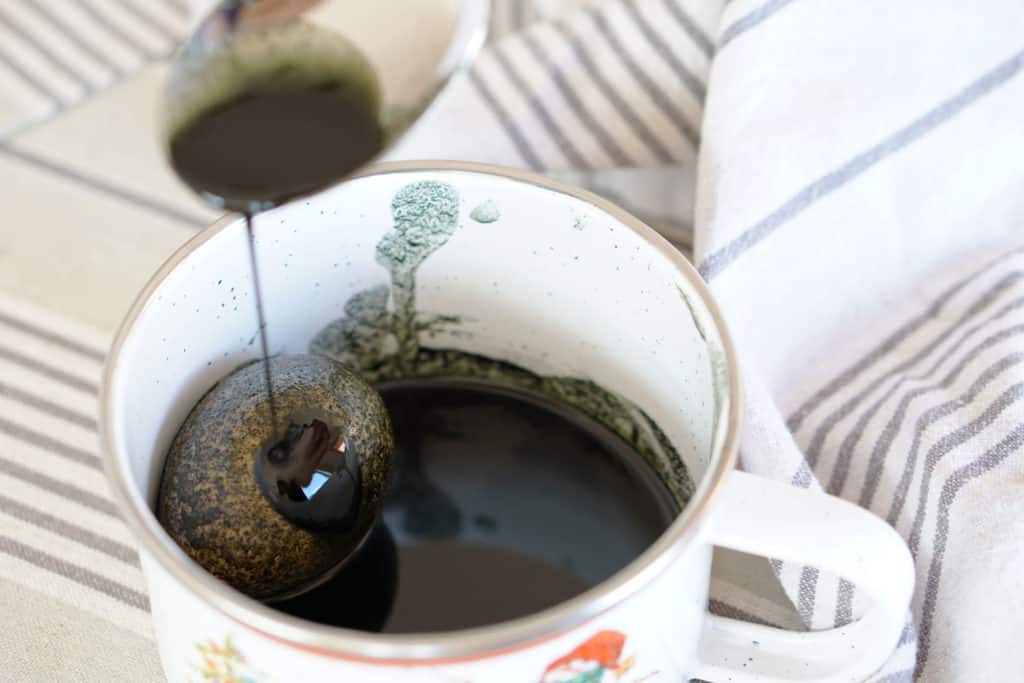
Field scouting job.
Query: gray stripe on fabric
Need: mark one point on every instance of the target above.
(519, 140)
(954, 483)
(669, 108)
(989, 297)
(696, 33)
(519, 14)
(904, 676)
(683, 72)
(803, 475)
(876, 462)
(499, 21)
(48, 371)
(908, 634)
(494, 28)
(935, 414)
(26, 76)
(565, 145)
(43, 520)
(43, 51)
(178, 6)
(724, 609)
(841, 469)
(721, 259)
(41, 404)
(106, 188)
(639, 128)
(57, 487)
(52, 337)
(81, 575)
(608, 144)
(72, 36)
(947, 444)
(26, 435)
(795, 420)
(148, 20)
(749, 21)
(807, 594)
(844, 604)
(114, 30)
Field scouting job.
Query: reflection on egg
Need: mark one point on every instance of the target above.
(274, 512)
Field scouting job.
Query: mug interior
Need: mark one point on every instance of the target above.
(561, 285)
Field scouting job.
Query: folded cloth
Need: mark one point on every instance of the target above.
(860, 219)
(859, 216)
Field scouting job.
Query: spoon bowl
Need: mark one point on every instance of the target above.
(269, 100)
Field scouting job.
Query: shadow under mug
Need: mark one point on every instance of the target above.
(548, 278)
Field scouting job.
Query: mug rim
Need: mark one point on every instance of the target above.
(427, 648)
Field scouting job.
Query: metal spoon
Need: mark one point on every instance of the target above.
(270, 100)
(389, 58)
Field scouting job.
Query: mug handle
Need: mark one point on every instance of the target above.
(763, 517)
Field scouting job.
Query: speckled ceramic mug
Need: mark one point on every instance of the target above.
(536, 275)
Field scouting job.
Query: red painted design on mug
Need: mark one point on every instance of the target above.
(594, 660)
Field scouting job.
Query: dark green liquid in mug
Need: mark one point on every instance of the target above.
(501, 504)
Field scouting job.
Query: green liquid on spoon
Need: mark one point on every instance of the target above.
(268, 146)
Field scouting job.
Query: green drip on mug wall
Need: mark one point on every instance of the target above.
(384, 345)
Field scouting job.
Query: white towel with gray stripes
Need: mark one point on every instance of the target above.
(861, 221)
(859, 213)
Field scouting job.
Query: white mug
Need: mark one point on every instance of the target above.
(554, 280)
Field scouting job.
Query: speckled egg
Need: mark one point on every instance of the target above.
(273, 511)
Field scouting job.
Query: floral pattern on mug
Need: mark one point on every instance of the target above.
(223, 664)
(597, 660)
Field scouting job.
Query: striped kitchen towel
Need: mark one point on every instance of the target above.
(860, 219)
(607, 94)
(54, 53)
(69, 574)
